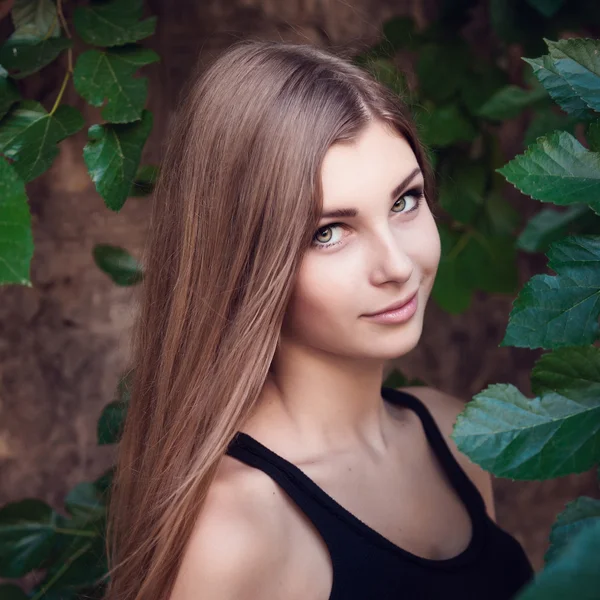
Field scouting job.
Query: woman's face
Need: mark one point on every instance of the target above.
(364, 263)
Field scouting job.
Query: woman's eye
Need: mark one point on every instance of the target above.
(412, 198)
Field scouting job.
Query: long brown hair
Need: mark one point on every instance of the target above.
(236, 205)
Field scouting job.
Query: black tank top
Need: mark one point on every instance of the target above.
(368, 566)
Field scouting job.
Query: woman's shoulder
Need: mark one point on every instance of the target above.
(444, 409)
(237, 542)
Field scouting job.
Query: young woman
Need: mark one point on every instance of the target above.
(261, 457)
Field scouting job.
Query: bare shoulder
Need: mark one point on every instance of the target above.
(237, 548)
(445, 408)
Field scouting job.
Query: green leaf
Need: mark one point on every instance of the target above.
(26, 536)
(9, 94)
(462, 188)
(112, 156)
(561, 310)
(558, 169)
(579, 514)
(574, 574)
(118, 264)
(592, 134)
(109, 75)
(510, 101)
(545, 121)
(112, 22)
(34, 20)
(570, 371)
(29, 134)
(445, 126)
(578, 61)
(400, 33)
(502, 219)
(8, 591)
(550, 225)
(396, 379)
(450, 290)
(558, 88)
(22, 58)
(441, 69)
(112, 419)
(546, 7)
(386, 72)
(144, 182)
(84, 503)
(512, 436)
(16, 240)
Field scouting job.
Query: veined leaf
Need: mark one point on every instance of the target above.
(510, 101)
(578, 514)
(558, 169)
(29, 134)
(16, 240)
(561, 310)
(118, 264)
(578, 61)
(112, 156)
(558, 88)
(24, 57)
(574, 574)
(34, 20)
(550, 225)
(144, 182)
(112, 22)
(26, 535)
(570, 371)
(512, 436)
(9, 94)
(109, 75)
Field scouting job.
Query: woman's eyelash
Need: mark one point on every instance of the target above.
(418, 193)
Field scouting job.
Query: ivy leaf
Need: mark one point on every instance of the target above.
(144, 182)
(441, 69)
(578, 61)
(445, 126)
(22, 57)
(560, 310)
(550, 225)
(9, 94)
(558, 88)
(26, 536)
(34, 20)
(461, 190)
(450, 290)
(510, 101)
(472, 261)
(16, 240)
(512, 436)
(574, 574)
(109, 75)
(118, 264)
(396, 379)
(558, 169)
(112, 22)
(29, 134)
(84, 503)
(578, 514)
(112, 156)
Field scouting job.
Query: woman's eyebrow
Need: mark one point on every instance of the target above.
(353, 212)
